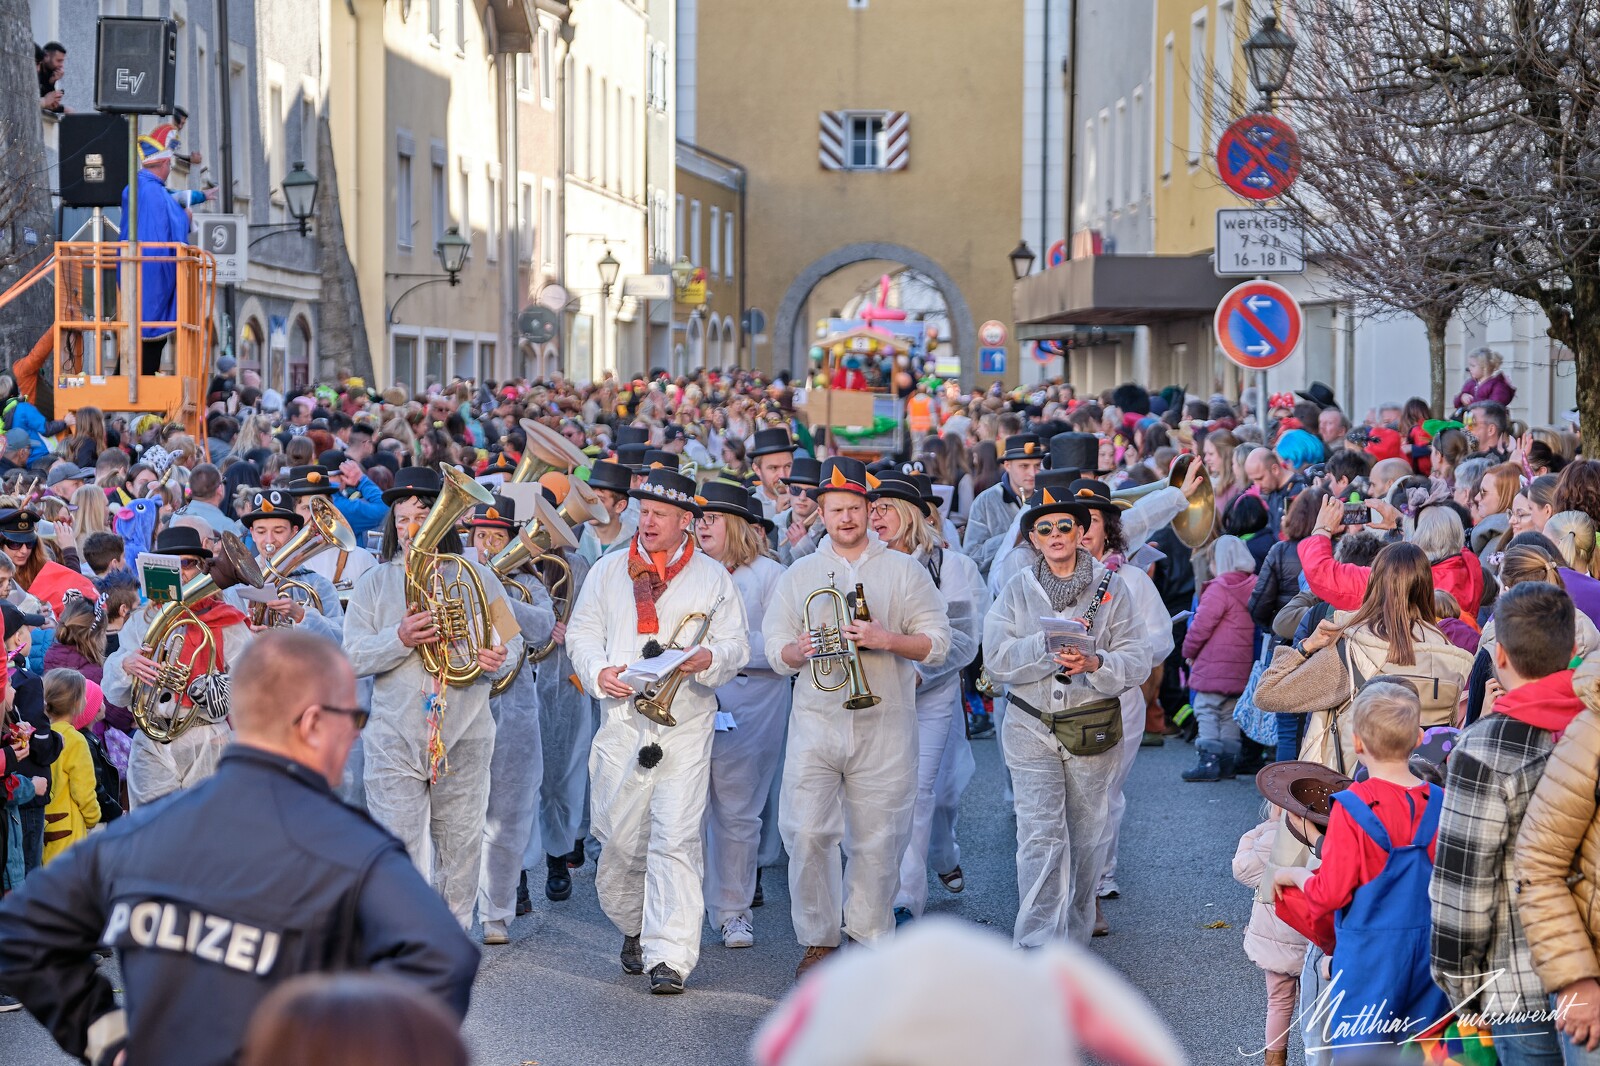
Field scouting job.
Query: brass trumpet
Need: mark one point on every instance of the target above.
(324, 530)
(655, 702)
(829, 645)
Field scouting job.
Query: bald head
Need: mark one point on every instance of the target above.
(1385, 473)
(1265, 470)
(287, 691)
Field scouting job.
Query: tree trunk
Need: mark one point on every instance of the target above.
(1437, 324)
(344, 328)
(24, 188)
(1587, 351)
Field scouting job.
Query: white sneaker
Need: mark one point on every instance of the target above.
(495, 933)
(736, 933)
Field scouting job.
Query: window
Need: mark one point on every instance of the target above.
(682, 245)
(1139, 176)
(272, 131)
(547, 80)
(1222, 60)
(727, 246)
(1197, 88)
(603, 135)
(461, 27)
(588, 124)
(441, 202)
(1106, 178)
(492, 238)
(1168, 73)
(524, 73)
(716, 242)
(239, 102)
(306, 151)
(435, 19)
(433, 368)
(656, 84)
(405, 362)
(866, 142)
(466, 203)
(1124, 164)
(525, 221)
(1091, 170)
(547, 223)
(486, 357)
(200, 117)
(466, 362)
(694, 233)
(404, 205)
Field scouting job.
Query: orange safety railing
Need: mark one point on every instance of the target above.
(98, 331)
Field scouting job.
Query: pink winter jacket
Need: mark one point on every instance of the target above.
(1221, 639)
(1268, 942)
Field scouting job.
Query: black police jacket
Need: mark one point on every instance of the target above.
(213, 897)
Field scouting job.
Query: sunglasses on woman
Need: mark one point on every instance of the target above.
(1060, 525)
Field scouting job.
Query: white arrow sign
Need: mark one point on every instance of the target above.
(1258, 303)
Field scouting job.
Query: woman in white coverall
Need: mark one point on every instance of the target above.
(647, 780)
(752, 709)
(436, 809)
(850, 776)
(899, 518)
(1060, 702)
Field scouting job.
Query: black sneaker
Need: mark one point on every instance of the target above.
(633, 957)
(575, 856)
(558, 881)
(758, 899)
(524, 901)
(8, 1004)
(981, 727)
(664, 980)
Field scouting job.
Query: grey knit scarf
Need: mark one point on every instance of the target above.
(1064, 594)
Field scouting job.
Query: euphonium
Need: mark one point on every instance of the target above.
(447, 587)
(545, 451)
(830, 645)
(535, 543)
(324, 530)
(158, 706)
(655, 702)
(1194, 526)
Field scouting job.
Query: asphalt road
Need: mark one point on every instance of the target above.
(557, 997)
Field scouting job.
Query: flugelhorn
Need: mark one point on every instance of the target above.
(324, 530)
(655, 702)
(447, 587)
(829, 646)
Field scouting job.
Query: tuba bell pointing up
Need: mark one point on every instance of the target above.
(325, 530)
(447, 587)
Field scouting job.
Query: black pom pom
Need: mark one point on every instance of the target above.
(649, 755)
(652, 648)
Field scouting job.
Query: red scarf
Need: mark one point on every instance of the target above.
(650, 579)
(217, 616)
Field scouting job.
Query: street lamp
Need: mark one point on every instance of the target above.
(1268, 53)
(452, 251)
(1021, 260)
(300, 192)
(609, 267)
(682, 274)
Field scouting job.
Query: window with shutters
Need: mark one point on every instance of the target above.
(864, 140)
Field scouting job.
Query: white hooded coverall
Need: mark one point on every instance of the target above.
(649, 821)
(566, 730)
(850, 777)
(440, 823)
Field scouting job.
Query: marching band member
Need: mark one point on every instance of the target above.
(1062, 747)
(566, 731)
(753, 709)
(1103, 539)
(850, 777)
(611, 482)
(995, 507)
(900, 518)
(800, 526)
(340, 567)
(772, 455)
(517, 767)
(649, 781)
(155, 769)
(426, 767)
(270, 522)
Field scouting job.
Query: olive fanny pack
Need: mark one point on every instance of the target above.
(1091, 728)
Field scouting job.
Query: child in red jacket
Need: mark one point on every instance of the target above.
(1220, 647)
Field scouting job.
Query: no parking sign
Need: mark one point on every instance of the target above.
(1258, 324)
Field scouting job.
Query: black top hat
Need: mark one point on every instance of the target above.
(1056, 480)
(669, 486)
(500, 463)
(609, 475)
(272, 503)
(181, 540)
(632, 456)
(501, 514)
(897, 486)
(1023, 446)
(806, 471)
(1046, 502)
(724, 497)
(842, 474)
(924, 485)
(16, 618)
(631, 435)
(423, 482)
(770, 442)
(1080, 451)
(1302, 788)
(667, 459)
(1319, 394)
(17, 525)
(311, 480)
(1096, 495)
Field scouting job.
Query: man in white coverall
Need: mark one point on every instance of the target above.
(648, 781)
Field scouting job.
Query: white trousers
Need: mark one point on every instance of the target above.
(510, 823)
(744, 763)
(1127, 751)
(937, 708)
(156, 770)
(955, 773)
(649, 825)
(566, 732)
(1061, 811)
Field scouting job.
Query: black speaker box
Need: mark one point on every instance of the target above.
(136, 66)
(94, 159)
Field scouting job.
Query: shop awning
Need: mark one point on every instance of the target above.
(1115, 290)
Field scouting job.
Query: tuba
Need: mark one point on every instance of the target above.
(655, 702)
(1195, 525)
(549, 452)
(447, 587)
(324, 530)
(830, 646)
(158, 706)
(537, 543)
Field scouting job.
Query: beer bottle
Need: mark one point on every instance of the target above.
(862, 614)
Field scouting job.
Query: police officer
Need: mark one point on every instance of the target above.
(231, 887)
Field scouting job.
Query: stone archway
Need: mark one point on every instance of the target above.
(964, 332)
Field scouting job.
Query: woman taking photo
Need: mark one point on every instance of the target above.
(1061, 736)
(899, 517)
(744, 754)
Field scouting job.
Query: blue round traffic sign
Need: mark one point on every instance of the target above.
(1258, 157)
(1258, 324)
